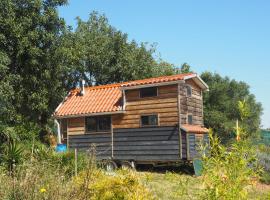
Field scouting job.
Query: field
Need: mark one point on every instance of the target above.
(168, 185)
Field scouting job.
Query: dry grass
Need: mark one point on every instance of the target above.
(174, 186)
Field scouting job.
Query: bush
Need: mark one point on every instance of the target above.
(229, 171)
(120, 185)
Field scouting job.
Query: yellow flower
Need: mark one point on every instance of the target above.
(42, 190)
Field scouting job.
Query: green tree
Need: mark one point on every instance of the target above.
(185, 68)
(221, 106)
(101, 54)
(29, 39)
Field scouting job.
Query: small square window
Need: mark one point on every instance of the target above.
(148, 92)
(149, 120)
(189, 91)
(190, 119)
(98, 124)
(91, 124)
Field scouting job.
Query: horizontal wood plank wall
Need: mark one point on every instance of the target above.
(76, 126)
(195, 141)
(147, 144)
(165, 105)
(192, 105)
(101, 141)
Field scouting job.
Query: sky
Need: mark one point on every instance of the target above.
(229, 37)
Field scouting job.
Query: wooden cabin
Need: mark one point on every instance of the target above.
(152, 120)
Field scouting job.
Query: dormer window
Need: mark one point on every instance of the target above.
(148, 92)
(189, 91)
(190, 119)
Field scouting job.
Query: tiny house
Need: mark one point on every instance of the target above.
(155, 120)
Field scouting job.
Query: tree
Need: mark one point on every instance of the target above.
(29, 40)
(221, 106)
(101, 54)
(185, 68)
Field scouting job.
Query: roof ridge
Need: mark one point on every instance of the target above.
(112, 85)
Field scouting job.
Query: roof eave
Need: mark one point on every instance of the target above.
(199, 81)
(88, 114)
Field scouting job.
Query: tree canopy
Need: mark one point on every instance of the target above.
(221, 105)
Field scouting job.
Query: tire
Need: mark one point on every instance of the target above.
(110, 166)
(127, 165)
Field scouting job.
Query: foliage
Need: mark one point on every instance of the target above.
(121, 185)
(221, 106)
(100, 54)
(12, 155)
(29, 41)
(229, 171)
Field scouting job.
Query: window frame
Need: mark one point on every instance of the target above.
(191, 119)
(97, 118)
(187, 88)
(142, 97)
(147, 115)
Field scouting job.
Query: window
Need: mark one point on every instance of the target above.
(149, 120)
(148, 92)
(189, 91)
(190, 119)
(98, 124)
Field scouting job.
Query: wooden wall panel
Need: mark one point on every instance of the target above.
(165, 105)
(76, 126)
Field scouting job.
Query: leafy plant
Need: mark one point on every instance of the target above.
(12, 156)
(229, 171)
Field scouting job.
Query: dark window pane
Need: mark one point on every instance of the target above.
(149, 120)
(189, 91)
(190, 119)
(91, 124)
(104, 123)
(148, 92)
(145, 120)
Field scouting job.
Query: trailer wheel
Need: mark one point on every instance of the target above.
(110, 166)
(128, 165)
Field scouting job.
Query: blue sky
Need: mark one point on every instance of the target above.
(229, 37)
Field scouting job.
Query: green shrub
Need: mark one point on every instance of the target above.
(12, 155)
(265, 177)
(229, 171)
(121, 185)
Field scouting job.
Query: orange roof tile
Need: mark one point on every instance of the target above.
(194, 128)
(104, 98)
(157, 80)
(97, 99)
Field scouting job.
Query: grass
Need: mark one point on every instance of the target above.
(174, 186)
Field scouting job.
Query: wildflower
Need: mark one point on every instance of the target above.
(42, 190)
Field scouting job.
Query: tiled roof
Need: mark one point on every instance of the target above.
(97, 99)
(161, 79)
(194, 128)
(103, 98)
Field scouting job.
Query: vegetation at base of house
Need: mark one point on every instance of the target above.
(53, 177)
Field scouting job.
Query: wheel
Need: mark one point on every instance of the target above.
(128, 165)
(110, 166)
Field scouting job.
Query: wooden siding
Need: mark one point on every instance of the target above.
(184, 144)
(192, 105)
(147, 144)
(193, 144)
(76, 126)
(164, 105)
(142, 144)
(102, 142)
